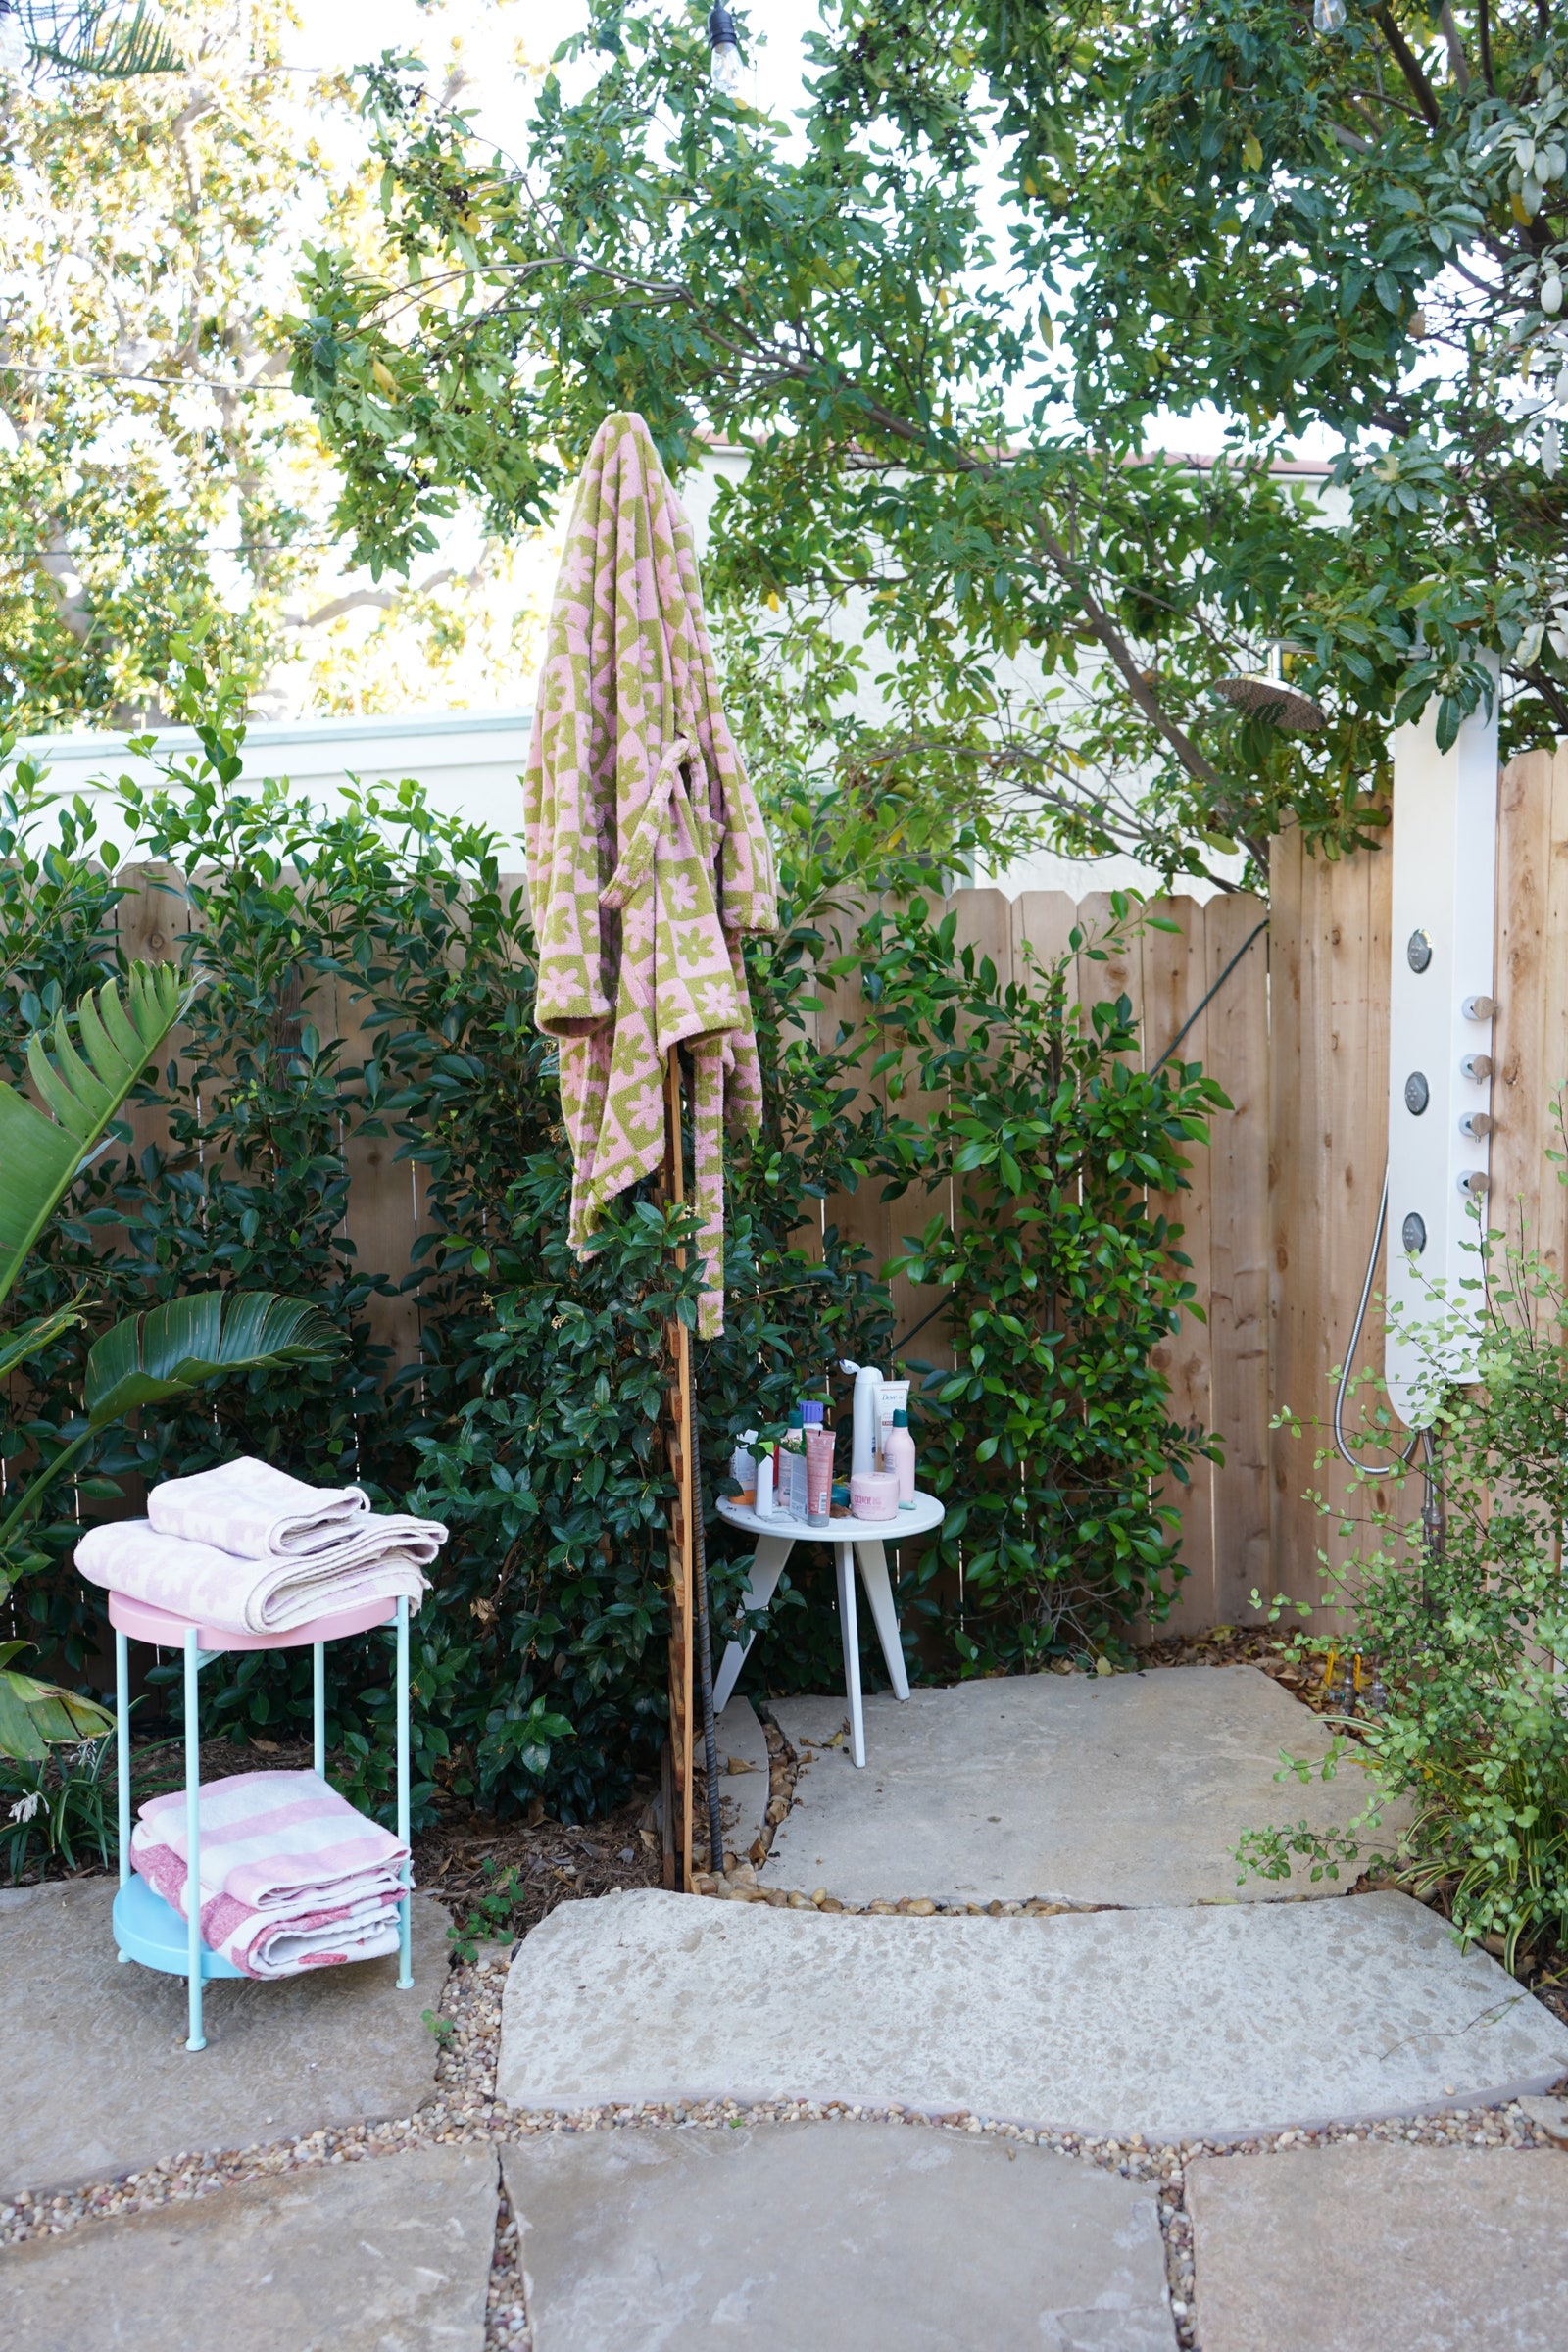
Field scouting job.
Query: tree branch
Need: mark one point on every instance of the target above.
(358, 599)
(1457, 59)
(1551, 693)
(1409, 66)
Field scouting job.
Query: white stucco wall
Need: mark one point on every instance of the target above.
(469, 762)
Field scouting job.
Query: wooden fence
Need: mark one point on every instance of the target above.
(1284, 1200)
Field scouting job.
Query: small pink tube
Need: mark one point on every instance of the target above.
(819, 1477)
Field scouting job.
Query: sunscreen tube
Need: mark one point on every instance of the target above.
(819, 1477)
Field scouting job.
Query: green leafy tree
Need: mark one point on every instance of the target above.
(157, 475)
(944, 310)
(100, 38)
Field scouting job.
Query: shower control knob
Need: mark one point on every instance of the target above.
(1475, 1182)
(1478, 1008)
(1477, 1067)
(1476, 1124)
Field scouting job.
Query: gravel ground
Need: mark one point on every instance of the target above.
(465, 2108)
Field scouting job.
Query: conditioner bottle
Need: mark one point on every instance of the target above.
(898, 1455)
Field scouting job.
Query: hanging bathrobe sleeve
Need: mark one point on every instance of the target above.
(563, 788)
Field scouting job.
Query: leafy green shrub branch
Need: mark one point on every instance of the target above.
(1465, 1633)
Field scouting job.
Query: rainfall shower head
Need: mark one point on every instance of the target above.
(1271, 698)
(1265, 695)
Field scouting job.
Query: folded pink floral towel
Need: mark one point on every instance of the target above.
(268, 1595)
(257, 1511)
(292, 1876)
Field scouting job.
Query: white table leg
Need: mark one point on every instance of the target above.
(195, 2040)
(122, 1754)
(878, 1583)
(406, 1907)
(767, 1566)
(849, 1629)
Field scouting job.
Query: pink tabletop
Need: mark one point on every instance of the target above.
(144, 1623)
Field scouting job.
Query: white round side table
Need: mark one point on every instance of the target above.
(857, 1542)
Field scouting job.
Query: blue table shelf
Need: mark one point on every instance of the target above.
(151, 1931)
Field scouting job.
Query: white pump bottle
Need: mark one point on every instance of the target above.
(868, 1421)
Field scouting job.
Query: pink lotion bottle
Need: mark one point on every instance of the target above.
(898, 1455)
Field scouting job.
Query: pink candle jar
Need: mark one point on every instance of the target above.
(874, 1494)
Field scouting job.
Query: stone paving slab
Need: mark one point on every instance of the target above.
(1207, 2023)
(743, 1795)
(1126, 1789)
(1374, 2248)
(777, 2237)
(391, 2254)
(110, 2085)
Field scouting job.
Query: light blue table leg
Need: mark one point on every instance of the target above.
(767, 1566)
(406, 1907)
(850, 1629)
(195, 2040)
(123, 1751)
(319, 1678)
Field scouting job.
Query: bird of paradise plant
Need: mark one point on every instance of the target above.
(83, 1082)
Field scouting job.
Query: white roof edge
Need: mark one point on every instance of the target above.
(289, 734)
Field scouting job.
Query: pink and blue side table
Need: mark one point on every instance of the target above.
(146, 1927)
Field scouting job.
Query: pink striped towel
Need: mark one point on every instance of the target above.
(292, 1876)
(269, 1944)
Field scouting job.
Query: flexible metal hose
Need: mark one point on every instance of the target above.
(1431, 1503)
(1401, 1460)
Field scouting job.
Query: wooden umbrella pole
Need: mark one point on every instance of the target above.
(688, 1549)
(682, 1520)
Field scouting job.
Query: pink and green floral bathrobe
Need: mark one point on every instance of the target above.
(647, 854)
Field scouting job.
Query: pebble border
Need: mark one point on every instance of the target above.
(465, 2110)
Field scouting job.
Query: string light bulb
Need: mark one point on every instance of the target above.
(1328, 16)
(724, 57)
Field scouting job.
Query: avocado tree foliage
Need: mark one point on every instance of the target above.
(952, 311)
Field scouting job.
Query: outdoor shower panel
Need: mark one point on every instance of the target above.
(1440, 1041)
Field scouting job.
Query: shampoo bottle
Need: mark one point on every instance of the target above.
(898, 1455)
